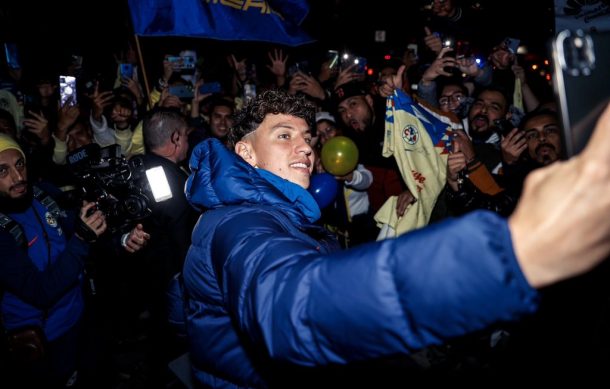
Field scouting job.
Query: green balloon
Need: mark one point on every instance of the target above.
(339, 155)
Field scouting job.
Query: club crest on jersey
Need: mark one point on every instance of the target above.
(410, 134)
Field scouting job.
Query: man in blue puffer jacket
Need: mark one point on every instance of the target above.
(271, 301)
(42, 256)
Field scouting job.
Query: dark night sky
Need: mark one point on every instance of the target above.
(94, 27)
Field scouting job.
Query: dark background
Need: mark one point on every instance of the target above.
(49, 32)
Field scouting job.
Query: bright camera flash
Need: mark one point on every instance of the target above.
(158, 183)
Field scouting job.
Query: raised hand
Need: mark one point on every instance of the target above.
(433, 40)
(39, 126)
(390, 83)
(512, 146)
(278, 62)
(99, 101)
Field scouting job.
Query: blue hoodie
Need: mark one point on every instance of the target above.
(267, 288)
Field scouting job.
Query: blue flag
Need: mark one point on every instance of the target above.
(249, 20)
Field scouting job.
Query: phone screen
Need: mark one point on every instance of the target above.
(210, 87)
(503, 126)
(126, 70)
(332, 57)
(361, 65)
(346, 61)
(67, 90)
(183, 92)
(12, 56)
(581, 83)
(182, 62)
(511, 44)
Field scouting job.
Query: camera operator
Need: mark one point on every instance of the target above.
(170, 226)
(43, 255)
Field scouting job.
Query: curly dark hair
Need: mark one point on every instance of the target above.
(274, 101)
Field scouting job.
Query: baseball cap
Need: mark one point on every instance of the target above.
(350, 89)
(325, 116)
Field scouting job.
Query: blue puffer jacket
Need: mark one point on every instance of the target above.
(265, 286)
(47, 243)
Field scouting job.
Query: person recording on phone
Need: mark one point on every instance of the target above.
(441, 88)
(113, 118)
(41, 271)
(535, 143)
(126, 132)
(271, 300)
(508, 73)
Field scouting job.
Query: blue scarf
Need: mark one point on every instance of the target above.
(295, 193)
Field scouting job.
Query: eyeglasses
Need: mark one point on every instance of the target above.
(535, 134)
(454, 98)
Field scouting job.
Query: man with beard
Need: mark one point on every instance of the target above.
(41, 270)
(482, 143)
(55, 306)
(363, 122)
(536, 143)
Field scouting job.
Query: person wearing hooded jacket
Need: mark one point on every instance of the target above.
(271, 301)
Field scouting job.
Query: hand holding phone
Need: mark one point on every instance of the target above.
(12, 56)
(210, 87)
(503, 126)
(67, 90)
(183, 92)
(332, 58)
(511, 44)
(361, 65)
(181, 63)
(126, 70)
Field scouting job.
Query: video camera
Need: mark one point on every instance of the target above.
(121, 188)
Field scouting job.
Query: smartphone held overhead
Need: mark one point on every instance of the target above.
(181, 63)
(187, 92)
(12, 56)
(210, 87)
(126, 70)
(359, 65)
(67, 90)
(332, 58)
(183, 92)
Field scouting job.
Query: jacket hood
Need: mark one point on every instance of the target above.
(219, 177)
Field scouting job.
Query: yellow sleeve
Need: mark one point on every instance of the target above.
(137, 142)
(155, 96)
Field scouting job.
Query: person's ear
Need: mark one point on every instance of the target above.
(244, 150)
(175, 137)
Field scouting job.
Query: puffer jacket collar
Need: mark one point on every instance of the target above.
(220, 177)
